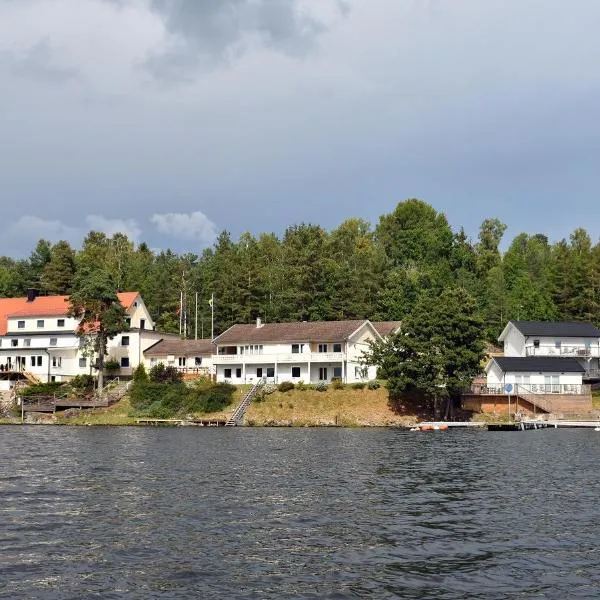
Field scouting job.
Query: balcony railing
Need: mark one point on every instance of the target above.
(533, 388)
(304, 357)
(574, 351)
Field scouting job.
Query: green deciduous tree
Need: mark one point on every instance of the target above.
(95, 303)
(438, 351)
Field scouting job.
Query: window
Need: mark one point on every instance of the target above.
(360, 372)
(322, 373)
(128, 321)
(557, 344)
(259, 372)
(536, 343)
(124, 361)
(270, 371)
(181, 361)
(322, 347)
(296, 348)
(53, 341)
(125, 340)
(142, 323)
(40, 323)
(14, 343)
(83, 362)
(295, 371)
(57, 361)
(39, 361)
(135, 304)
(227, 373)
(337, 347)
(60, 322)
(337, 372)
(27, 343)
(33, 361)
(238, 372)
(21, 324)
(197, 360)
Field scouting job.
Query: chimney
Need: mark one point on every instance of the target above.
(258, 323)
(32, 294)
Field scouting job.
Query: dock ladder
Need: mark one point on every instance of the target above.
(240, 411)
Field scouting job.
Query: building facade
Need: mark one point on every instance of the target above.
(311, 352)
(38, 337)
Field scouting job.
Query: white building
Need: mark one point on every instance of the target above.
(191, 357)
(37, 336)
(535, 374)
(313, 351)
(545, 357)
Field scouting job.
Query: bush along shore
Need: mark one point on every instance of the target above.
(161, 394)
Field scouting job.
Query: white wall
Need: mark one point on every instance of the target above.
(514, 342)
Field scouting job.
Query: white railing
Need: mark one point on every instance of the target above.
(304, 357)
(572, 350)
(535, 388)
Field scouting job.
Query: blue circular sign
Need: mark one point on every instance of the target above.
(508, 387)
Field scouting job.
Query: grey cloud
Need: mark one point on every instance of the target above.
(38, 64)
(216, 31)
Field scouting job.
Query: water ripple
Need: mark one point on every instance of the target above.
(297, 513)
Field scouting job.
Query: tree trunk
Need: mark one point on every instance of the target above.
(100, 367)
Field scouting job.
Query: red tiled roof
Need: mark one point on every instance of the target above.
(305, 331)
(180, 347)
(45, 306)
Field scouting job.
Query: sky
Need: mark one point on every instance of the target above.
(172, 120)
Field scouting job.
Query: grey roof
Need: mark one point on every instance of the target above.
(385, 328)
(557, 328)
(179, 347)
(298, 331)
(543, 364)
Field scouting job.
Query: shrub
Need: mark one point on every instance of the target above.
(286, 386)
(301, 386)
(111, 365)
(321, 386)
(161, 374)
(83, 383)
(42, 389)
(140, 375)
(373, 384)
(359, 385)
(337, 384)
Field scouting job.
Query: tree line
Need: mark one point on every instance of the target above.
(352, 272)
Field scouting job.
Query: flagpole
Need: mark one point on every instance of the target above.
(180, 311)
(196, 319)
(212, 316)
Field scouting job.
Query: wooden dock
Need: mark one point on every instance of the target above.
(181, 422)
(450, 424)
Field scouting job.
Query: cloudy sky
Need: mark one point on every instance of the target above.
(171, 120)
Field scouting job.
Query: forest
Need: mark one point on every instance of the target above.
(354, 271)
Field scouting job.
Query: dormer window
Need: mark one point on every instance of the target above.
(40, 323)
(21, 324)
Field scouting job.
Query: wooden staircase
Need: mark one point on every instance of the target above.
(238, 414)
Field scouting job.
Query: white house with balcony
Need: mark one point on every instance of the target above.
(561, 339)
(38, 337)
(308, 351)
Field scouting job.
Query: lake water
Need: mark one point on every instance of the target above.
(298, 513)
